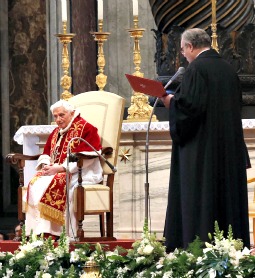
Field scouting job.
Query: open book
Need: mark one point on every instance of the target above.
(146, 86)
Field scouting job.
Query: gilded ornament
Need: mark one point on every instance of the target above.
(91, 270)
(125, 155)
(140, 109)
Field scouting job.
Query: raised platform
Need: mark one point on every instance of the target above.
(11, 246)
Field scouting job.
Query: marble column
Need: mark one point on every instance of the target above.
(4, 115)
(54, 48)
(84, 48)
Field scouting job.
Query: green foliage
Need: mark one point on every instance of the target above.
(247, 266)
(196, 247)
(23, 235)
(221, 257)
(218, 234)
(71, 272)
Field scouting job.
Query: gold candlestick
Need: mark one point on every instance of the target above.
(214, 26)
(66, 80)
(139, 110)
(100, 37)
(137, 34)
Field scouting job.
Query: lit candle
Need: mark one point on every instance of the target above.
(135, 7)
(64, 10)
(100, 12)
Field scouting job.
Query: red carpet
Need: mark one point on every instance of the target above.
(11, 246)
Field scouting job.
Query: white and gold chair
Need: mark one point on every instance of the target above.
(105, 111)
(252, 210)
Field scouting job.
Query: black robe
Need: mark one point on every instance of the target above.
(208, 180)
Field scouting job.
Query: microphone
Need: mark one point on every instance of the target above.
(112, 167)
(180, 71)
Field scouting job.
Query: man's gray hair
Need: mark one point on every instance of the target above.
(62, 103)
(197, 37)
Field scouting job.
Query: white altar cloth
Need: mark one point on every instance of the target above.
(126, 127)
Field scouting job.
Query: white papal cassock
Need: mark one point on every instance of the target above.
(46, 195)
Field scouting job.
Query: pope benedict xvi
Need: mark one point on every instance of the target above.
(46, 193)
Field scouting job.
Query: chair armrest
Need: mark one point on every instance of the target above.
(74, 157)
(79, 157)
(19, 158)
(107, 151)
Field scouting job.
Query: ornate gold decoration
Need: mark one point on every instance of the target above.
(91, 270)
(66, 80)
(100, 37)
(250, 180)
(125, 155)
(140, 109)
(214, 26)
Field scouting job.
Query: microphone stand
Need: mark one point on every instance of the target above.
(146, 184)
(113, 168)
(181, 70)
(67, 190)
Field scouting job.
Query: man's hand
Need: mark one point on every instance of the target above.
(52, 169)
(166, 100)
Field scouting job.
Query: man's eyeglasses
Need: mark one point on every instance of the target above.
(183, 48)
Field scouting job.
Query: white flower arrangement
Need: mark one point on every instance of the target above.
(222, 257)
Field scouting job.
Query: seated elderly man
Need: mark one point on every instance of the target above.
(46, 194)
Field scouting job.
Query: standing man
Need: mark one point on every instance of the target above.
(208, 164)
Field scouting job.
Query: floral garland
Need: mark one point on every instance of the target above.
(37, 257)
